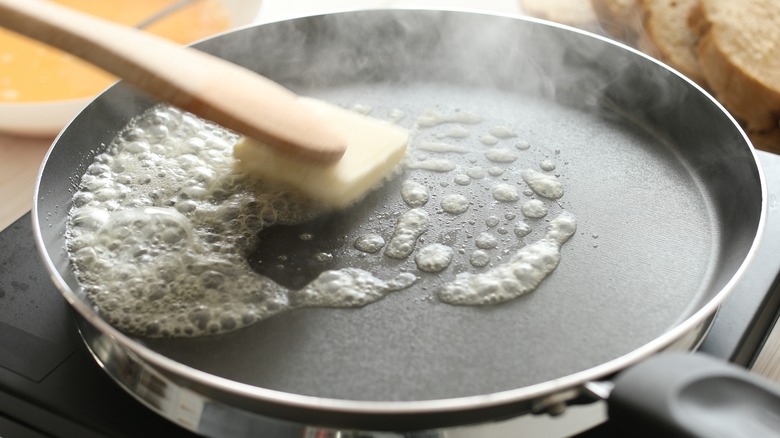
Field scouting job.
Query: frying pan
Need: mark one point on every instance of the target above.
(667, 192)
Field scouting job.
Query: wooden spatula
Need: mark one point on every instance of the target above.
(304, 139)
(194, 81)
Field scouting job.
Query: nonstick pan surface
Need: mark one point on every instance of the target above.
(666, 192)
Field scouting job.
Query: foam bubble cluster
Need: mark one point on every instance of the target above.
(527, 268)
(408, 229)
(161, 227)
(543, 184)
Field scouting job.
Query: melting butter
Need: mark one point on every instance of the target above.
(488, 140)
(500, 155)
(523, 273)
(534, 208)
(414, 194)
(435, 165)
(455, 204)
(456, 131)
(162, 224)
(433, 258)
(502, 132)
(543, 184)
(369, 243)
(441, 147)
(408, 229)
(505, 193)
(432, 118)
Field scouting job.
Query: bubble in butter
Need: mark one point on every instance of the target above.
(543, 184)
(433, 258)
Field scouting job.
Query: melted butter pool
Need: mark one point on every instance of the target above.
(163, 228)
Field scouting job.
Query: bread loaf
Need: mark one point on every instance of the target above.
(731, 48)
(739, 53)
(766, 140)
(656, 27)
(577, 13)
(619, 18)
(668, 36)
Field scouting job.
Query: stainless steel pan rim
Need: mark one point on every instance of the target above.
(159, 363)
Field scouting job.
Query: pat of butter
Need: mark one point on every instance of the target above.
(374, 148)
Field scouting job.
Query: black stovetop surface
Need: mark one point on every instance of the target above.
(50, 386)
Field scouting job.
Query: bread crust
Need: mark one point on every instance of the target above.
(766, 141)
(668, 35)
(577, 13)
(729, 47)
(619, 18)
(739, 52)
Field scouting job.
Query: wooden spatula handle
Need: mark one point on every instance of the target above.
(205, 85)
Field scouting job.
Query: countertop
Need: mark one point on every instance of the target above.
(20, 157)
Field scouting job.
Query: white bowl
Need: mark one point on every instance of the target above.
(47, 118)
(39, 119)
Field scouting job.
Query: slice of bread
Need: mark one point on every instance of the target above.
(668, 37)
(739, 53)
(730, 47)
(766, 140)
(619, 18)
(656, 27)
(577, 13)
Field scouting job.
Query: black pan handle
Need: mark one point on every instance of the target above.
(693, 395)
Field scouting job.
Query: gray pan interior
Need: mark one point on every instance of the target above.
(665, 189)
